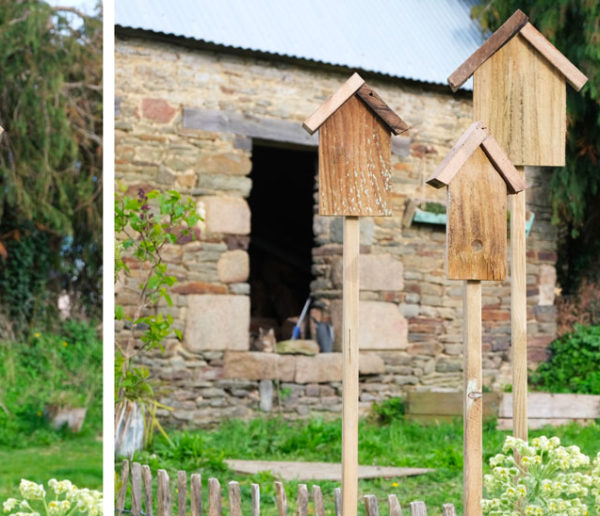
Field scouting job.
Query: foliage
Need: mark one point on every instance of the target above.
(572, 26)
(546, 479)
(388, 410)
(573, 365)
(145, 232)
(49, 368)
(400, 443)
(50, 153)
(66, 499)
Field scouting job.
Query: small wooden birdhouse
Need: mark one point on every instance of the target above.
(478, 175)
(519, 92)
(355, 150)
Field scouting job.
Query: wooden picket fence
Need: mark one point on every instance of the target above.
(140, 479)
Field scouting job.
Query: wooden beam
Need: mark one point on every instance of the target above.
(277, 130)
(518, 311)
(370, 97)
(506, 31)
(514, 182)
(574, 76)
(458, 155)
(330, 106)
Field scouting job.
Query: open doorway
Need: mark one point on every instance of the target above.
(281, 238)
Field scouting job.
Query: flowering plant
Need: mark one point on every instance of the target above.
(66, 499)
(547, 479)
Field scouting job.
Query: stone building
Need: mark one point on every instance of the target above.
(213, 107)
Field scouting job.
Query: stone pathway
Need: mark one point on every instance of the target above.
(318, 470)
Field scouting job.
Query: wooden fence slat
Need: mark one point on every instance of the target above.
(235, 499)
(255, 500)
(148, 501)
(182, 493)
(196, 501)
(302, 506)
(337, 493)
(418, 509)
(136, 489)
(281, 499)
(123, 490)
(394, 505)
(164, 494)
(449, 510)
(371, 506)
(318, 501)
(214, 497)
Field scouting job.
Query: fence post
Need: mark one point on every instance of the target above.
(371, 507)
(136, 489)
(302, 505)
(318, 501)
(394, 505)
(281, 499)
(148, 500)
(196, 501)
(182, 494)
(214, 497)
(164, 494)
(235, 499)
(255, 500)
(123, 490)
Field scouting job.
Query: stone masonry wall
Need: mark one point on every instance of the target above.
(175, 110)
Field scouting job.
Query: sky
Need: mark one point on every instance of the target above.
(87, 6)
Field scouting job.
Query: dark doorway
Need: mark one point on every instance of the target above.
(281, 238)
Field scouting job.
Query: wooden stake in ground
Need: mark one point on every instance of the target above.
(519, 93)
(354, 181)
(478, 176)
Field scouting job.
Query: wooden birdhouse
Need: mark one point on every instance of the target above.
(519, 92)
(355, 151)
(478, 175)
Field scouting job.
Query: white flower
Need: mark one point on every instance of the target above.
(31, 490)
(10, 504)
(58, 507)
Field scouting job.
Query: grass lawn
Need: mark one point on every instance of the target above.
(397, 443)
(78, 459)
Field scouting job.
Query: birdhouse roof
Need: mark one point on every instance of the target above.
(474, 137)
(355, 85)
(518, 23)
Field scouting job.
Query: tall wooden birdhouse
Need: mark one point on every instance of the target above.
(355, 150)
(478, 175)
(519, 92)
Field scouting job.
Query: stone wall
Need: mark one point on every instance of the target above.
(186, 119)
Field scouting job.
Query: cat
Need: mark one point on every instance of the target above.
(265, 341)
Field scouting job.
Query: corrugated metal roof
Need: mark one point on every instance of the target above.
(422, 40)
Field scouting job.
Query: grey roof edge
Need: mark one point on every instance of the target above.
(186, 41)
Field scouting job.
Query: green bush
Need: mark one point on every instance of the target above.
(65, 367)
(573, 365)
(388, 410)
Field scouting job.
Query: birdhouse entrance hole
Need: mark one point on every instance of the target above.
(282, 203)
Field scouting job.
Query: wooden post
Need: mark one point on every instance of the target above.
(473, 400)
(350, 366)
(518, 311)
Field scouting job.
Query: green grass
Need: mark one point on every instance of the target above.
(79, 460)
(399, 443)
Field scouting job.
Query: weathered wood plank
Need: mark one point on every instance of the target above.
(123, 489)
(182, 493)
(448, 403)
(285, 131)
(514, 181)
(281, 499)
(394, 505)
(302, 505)
(196, 494)
(333, 103)
(506, 31)
(376, 103)
(419, 509)
(214, 498)
(318, 501)
(477, 228)
(448, 510)
(255, 500)
(574, 76)
(521, 98)
(163, 494)
(473, 377)
(354, 177)
(235, 499)
(136, 489)
(148, 498)
(371, 506)
(337, 494)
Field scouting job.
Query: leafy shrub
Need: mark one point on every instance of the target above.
(574, 363)
(388, 410)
